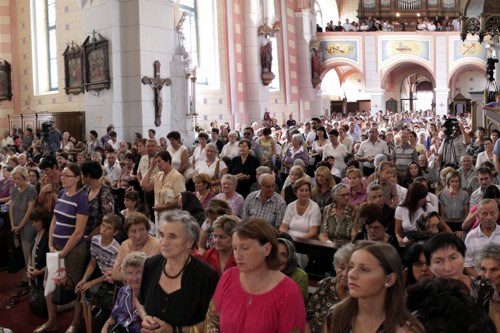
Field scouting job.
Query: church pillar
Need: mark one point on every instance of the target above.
(372, 75)
(377, 100)
(140, 32)
(442, 101)
(441, 90)
(256, 94)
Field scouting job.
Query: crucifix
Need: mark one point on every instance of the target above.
(157, 83)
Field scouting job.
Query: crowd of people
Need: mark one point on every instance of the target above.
(375, 24)
(202, 238)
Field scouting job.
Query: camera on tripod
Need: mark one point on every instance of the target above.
(46, 128)
(449, 127)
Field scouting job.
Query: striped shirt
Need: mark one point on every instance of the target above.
(65, 211)
(104, 255)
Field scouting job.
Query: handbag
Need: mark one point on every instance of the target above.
(36, 302)
(62, 294)
(16, 257)
(216, 189)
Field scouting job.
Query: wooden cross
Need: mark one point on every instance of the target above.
(157, 83)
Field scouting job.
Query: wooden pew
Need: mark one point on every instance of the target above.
(321, 251)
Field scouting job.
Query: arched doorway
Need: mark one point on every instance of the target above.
(417, 93)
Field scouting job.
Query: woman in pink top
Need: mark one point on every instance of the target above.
(256, 296)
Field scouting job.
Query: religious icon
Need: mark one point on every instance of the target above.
(97, 76)
(73, 69)
(157, 83)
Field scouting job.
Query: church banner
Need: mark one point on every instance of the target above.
(391, 48)
(339, 49)
(468, 49)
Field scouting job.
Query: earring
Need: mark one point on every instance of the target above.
(386, 285)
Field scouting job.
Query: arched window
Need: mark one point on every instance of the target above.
(44, 46)
(200, 31)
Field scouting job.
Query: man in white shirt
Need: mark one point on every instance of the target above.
(369, 149)
(348, 26)
(112, 170)
(113, 141)
(486, 233)
(7, 140)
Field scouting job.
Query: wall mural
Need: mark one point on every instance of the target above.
(391, 48)
(468, 49)
(346, 49)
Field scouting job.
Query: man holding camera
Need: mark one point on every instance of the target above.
(454, 144)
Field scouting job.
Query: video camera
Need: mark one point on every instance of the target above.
(449, 127)
(47, 128)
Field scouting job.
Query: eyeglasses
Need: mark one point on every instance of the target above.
(419, 264)
(247, 133)
(67, 176)
(135, 275)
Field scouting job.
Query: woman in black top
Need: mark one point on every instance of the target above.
(244, 168)
(176, 288)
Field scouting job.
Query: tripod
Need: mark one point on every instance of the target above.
(449, 148)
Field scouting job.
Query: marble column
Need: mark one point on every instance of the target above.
(257, 95)
(441, 75)
(140, 32)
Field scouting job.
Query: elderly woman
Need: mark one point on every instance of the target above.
(168, 184)
(243, 167)
(216, 208)
(488, 262)
(202, 186)
(176, 287)
(322, 190)
(66, 237)
(124, 314)
(294, 152)
(212, 165)
(231, 149)
(99, 195)
(330, 291)
(22, 202)
(137, 228)
(256, 287)
(288, 194)
(290, 265)
(34, 178)
(302, 217)
(229, 185)
(339, 225)
(6, 183)
(220, 256)
(179, 152)
(445, 254)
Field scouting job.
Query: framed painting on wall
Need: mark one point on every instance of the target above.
(5, 81)
(73, 69)
(97, 75)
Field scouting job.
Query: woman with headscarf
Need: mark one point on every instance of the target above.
(290, 265)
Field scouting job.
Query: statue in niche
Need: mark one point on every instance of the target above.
(316, 63)
(266, 57)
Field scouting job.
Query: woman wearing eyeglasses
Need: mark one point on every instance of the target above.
(66, 237)
(339, 225)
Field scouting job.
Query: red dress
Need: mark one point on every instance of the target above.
(211, 256)
(280, 310)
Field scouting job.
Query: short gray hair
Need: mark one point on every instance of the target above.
(212, 145)
(133, 259)
(191, 227)
(490, 251)
(337, 188)
(480, 205)
(298, 136)
(230, 177)
(374, 187)
(264, 176)
(343, 255)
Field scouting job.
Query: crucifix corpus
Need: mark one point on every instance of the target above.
(157, 83)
